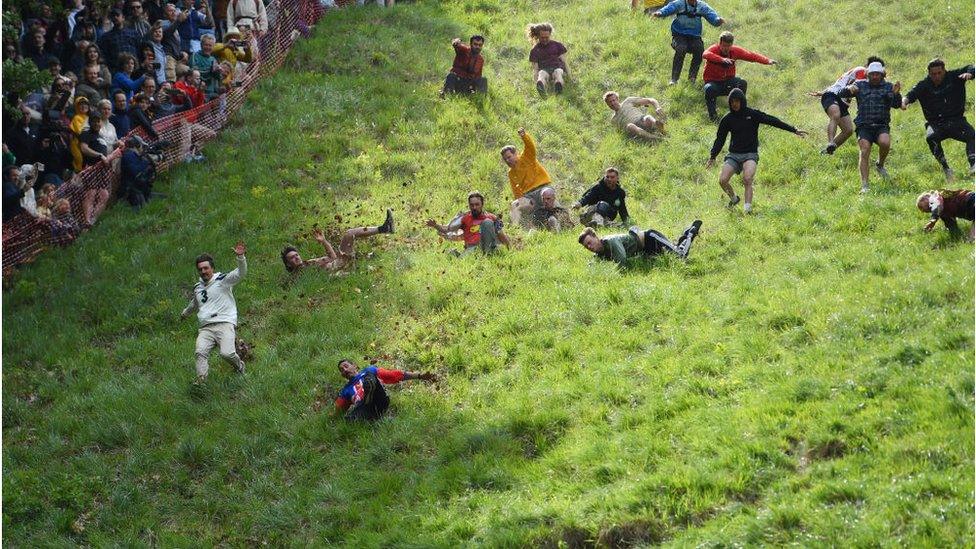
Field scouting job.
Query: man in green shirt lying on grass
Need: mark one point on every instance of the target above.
(637, 243)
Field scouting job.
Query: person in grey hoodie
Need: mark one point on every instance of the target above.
(213, 299)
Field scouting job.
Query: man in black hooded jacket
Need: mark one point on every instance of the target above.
(743, 123)
(604, 201)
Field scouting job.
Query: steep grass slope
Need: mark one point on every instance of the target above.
(807, 377)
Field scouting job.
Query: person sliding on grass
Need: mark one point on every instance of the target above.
(719, 73)
(837, 109)
(943, 98)
(526, 177)
(465, 75)
(333, 261)
(686, 33)
(550, 215)
(363, 396)
(875, 99)
(629, 118)
(637, 243)
(604, 201)
(948, 205)
(547, 58)
(477, 228)
(743, 123)
(213, 299)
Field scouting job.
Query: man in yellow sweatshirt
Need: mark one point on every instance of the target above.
(526, 176)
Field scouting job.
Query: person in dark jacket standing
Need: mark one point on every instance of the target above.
(943, 99)
(875, 99)
(604, 201)
(686, 33)
(465, 75)
(743, 123)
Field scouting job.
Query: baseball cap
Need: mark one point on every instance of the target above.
(876, 67)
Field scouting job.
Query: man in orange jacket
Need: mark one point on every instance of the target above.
(719, 73)
(526, 176)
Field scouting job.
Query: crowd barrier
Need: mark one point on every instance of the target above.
(24, 237)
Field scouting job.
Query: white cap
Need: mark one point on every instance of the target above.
(876, 67)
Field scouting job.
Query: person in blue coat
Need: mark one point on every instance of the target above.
(686, 33)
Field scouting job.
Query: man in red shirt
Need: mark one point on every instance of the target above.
(465, 75)
(719, 74)
(191, 84)
(947, 206)
(476, 228)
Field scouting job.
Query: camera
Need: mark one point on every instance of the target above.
(156, 66)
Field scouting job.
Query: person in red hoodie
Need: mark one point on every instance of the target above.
(465, 75)
(719, 74)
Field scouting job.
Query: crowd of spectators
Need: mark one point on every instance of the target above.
(110, 73)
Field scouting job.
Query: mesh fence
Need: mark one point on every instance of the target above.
(88, 191)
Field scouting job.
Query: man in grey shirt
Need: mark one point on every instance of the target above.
(213, 299)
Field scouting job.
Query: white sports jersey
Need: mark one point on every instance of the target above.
(215, 299)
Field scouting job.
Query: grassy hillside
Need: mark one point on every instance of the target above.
(806, 378)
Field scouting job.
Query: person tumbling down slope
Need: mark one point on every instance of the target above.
(333, 261)
(743, 123)
(947, 205)
(478, 229)
(636, 243)
(628, 116)
(363, 396)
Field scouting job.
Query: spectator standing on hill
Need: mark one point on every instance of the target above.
(363, 396)
(604, 201)
(526, 177)
(12, 193)
(139, 115)
(333, 261)
(79, 123)
(686, 33)
(93, 150)
(120, 116)
(743, 123)
(629, 118)
(942, 95)
(719, 73)
(875, 99)
(205, 62)
(465, 75)
(637, 243)
(477, 228)
(947, 205)
(124, 80)
(247, 13)
(213, 299)
(548, 58)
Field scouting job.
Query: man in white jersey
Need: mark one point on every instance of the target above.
(837, 109)
(213, 299)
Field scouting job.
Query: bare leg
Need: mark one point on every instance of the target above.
(347, 245)
(884, 145)
(833, 115)
(846, 130)
(748, 175)
(515, 213)
(637, 131)
(862, 161)
(723, 180)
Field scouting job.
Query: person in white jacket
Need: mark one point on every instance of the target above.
(213, 299)
(247, 13)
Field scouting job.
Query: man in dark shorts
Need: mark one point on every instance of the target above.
(837, 109)
(363, 396)
(465, 75)
(547, 58)
(947, 205)
(875, 99)
(637, 243)
(743, 123)
(943, 98)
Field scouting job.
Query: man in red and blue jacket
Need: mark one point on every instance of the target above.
(465, 75)
(719, 73)
(363, 396)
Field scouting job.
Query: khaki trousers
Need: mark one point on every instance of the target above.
(221, 334)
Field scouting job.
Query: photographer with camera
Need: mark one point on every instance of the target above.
(169, 100)
(234, 49)
(54, 150)
(139, 115)
(197, 15)
(139, 171)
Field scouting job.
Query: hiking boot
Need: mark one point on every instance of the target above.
(387, 226)
(541, 88)
(881, 170)
(558, 86)
(735, 200)
(829, 149)
(949, 174)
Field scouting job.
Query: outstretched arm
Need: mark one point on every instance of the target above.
(237, 274)
(528, 152)
(320, 238)
(190, 307)
(771, 120)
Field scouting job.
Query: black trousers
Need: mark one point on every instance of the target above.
(374, 402)
(455, 84)
(656, 243)
(957, 129)
(720, 88)
(683, 45)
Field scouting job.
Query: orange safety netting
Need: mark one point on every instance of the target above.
(24, 236)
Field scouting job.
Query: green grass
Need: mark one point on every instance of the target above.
(806, 378)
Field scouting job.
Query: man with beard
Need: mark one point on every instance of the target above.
(465, 75)
(477, 228)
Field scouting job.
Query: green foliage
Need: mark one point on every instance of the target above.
(804, 379)
(22, 78)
